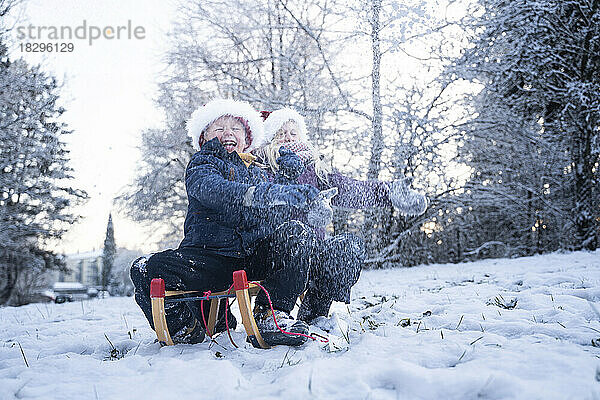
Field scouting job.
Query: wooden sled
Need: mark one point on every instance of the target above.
(243, 293)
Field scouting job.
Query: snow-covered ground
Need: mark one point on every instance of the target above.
(431, 332)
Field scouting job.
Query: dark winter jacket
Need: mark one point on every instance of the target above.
(217, 219)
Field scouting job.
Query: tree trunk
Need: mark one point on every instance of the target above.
(8, 278)
(377, 138)
(586, 228)
(374, 218)
(586, 207)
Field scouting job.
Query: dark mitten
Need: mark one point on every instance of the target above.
(267, 195)
(290, 165)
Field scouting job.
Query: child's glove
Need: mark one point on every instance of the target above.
(405, 199)
(320, 213)
(268, 195)
(290, 165)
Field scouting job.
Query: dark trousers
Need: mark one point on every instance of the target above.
(281, 261)
(334, 270)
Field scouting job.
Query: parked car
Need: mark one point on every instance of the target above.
(70, 291)
(48, 295)
(41, 296)
(63, 298)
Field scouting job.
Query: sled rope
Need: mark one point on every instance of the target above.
(277, 325)
(207, 295)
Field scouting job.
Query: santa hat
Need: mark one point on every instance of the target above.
(276, 119)
(214, 109)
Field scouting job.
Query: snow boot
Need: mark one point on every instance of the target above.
(273, 336)
(189, 334)
(220, 326)
(336, 329)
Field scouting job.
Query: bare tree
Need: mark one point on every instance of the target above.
(256, 54)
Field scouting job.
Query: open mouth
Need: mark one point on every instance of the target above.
(229, 145)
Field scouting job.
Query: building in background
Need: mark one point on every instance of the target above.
(85, 268)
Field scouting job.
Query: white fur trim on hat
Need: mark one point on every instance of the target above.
(214, 109)
(276, 119)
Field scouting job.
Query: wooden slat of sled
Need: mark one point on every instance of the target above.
(243, 296)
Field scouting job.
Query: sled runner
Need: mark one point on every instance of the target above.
(243, 292)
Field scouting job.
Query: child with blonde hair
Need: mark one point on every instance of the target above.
(337, 264)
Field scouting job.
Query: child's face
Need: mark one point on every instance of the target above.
(229, 131)
(288, 132)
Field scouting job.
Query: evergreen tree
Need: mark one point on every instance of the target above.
(35, 189)
(533, 145)
(108, 253)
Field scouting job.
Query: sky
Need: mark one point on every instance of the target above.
(108, 91)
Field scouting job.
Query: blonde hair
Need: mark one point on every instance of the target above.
(270, 154)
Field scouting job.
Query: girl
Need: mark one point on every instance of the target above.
(339, 259)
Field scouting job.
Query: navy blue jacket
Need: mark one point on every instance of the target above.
(217, 220)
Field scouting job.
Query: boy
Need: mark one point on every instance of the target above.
(235, 220)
